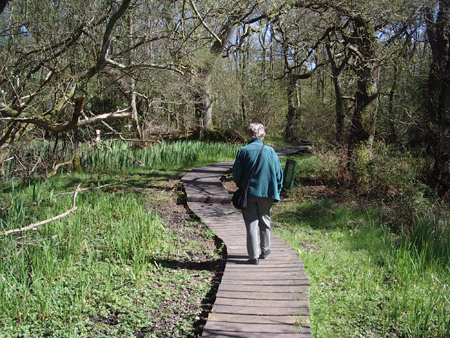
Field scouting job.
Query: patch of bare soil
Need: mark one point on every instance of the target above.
(170, 204)
(227, 181)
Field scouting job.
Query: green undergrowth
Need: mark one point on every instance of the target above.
(112, 157)
(367, 279)
(130, 261)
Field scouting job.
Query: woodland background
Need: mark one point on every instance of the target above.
(344, 73)
(114, 101)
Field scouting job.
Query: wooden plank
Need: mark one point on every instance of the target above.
(287, 282)
(250, 269)
(281, 267)
(241, 278)
(263, 302)
(260, 328)
(260, 311)
(236, 318)
(238, 294)
(226, 334)
(252, 276)
(267, 288)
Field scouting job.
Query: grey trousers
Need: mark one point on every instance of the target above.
(257, 215)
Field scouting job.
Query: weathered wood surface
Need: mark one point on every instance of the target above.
(265, 300)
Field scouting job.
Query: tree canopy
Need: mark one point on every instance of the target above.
(350, 72)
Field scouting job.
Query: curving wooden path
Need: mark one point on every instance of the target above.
(253, 301)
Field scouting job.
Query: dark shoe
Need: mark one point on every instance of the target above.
(253, 261)
(265, 254)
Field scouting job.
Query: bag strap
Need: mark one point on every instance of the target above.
(254, 168)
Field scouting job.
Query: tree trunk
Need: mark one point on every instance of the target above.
(374, 106)
(134, 108)
(203, 108)
(207, 105)
(393, 138)
(76, 155)
(439, 94)
(203, 104)
(367, 75)
(292, 110)
(339, 107)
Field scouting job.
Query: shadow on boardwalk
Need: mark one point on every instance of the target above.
(266, 300)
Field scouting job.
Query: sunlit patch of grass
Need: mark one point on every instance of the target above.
(365, 282)
(116, 157)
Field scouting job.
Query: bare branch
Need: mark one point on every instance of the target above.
(55, 167)
(109, 29)
(35, 225)
(203, 22)
(142, 65)
(11, 287)
(70, 125)
(120, 114)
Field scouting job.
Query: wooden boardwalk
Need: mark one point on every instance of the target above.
(253, 301)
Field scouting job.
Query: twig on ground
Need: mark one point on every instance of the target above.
(86, 189)
(6, 207)
(141, 164)
(35, 225)
(4, 279)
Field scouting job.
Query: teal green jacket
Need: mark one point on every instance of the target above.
(267, 180)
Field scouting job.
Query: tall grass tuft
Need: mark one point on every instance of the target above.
(116, 156)
(430, 236)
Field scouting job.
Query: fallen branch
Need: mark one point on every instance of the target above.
(93, 188)
(55, 168)
(10, 286)
(5, 207)
(141, 164)
(35, 225)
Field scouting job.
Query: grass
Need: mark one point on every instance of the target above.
(130, 262)
(367, 281)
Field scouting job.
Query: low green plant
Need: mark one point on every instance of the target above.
(366, 279)
(117, 266)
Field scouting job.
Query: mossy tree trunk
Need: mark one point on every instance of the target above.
(364, 116)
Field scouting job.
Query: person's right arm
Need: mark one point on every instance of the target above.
(238, 170)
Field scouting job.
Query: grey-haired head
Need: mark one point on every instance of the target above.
(256, 130)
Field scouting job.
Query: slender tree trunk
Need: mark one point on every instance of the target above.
(207, 104)
(392, 132)
(292, 110)
(134, 108)
(374, 107)
(339, 107)
(76, 155)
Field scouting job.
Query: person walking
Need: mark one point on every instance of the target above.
(264, 189)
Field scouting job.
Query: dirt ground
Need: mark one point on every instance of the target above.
(172, 207)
